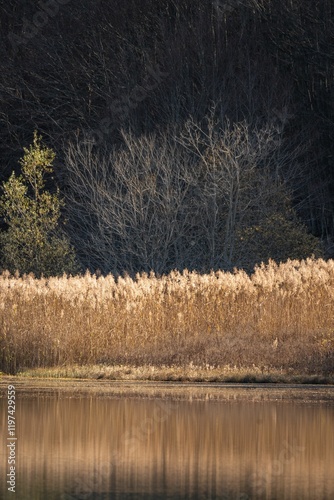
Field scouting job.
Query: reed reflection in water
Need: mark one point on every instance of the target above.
(102, 448)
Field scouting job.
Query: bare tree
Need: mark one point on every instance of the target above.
(241, 181)
(129, 208)
(189, 198)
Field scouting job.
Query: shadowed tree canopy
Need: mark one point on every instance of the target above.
(83, 72)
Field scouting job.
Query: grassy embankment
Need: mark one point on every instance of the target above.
(276, 325)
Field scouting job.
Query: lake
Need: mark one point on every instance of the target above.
(129, 440)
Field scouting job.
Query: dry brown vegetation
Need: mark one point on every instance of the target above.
(280, 319)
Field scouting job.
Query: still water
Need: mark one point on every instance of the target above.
(129, 441)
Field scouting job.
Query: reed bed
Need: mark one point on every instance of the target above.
(279, 319)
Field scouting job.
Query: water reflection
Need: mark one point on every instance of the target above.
(89, 448)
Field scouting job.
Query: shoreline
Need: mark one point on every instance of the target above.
(43, 388)
(173, 374)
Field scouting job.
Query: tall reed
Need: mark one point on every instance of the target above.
(280, 317)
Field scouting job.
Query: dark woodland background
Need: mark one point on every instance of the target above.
(191, 133)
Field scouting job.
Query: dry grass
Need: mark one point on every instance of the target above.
(186, 373)
(278, 320)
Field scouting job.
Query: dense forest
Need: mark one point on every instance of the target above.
(188, 134)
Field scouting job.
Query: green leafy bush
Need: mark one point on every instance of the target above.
(279, 236)
(34, 241)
